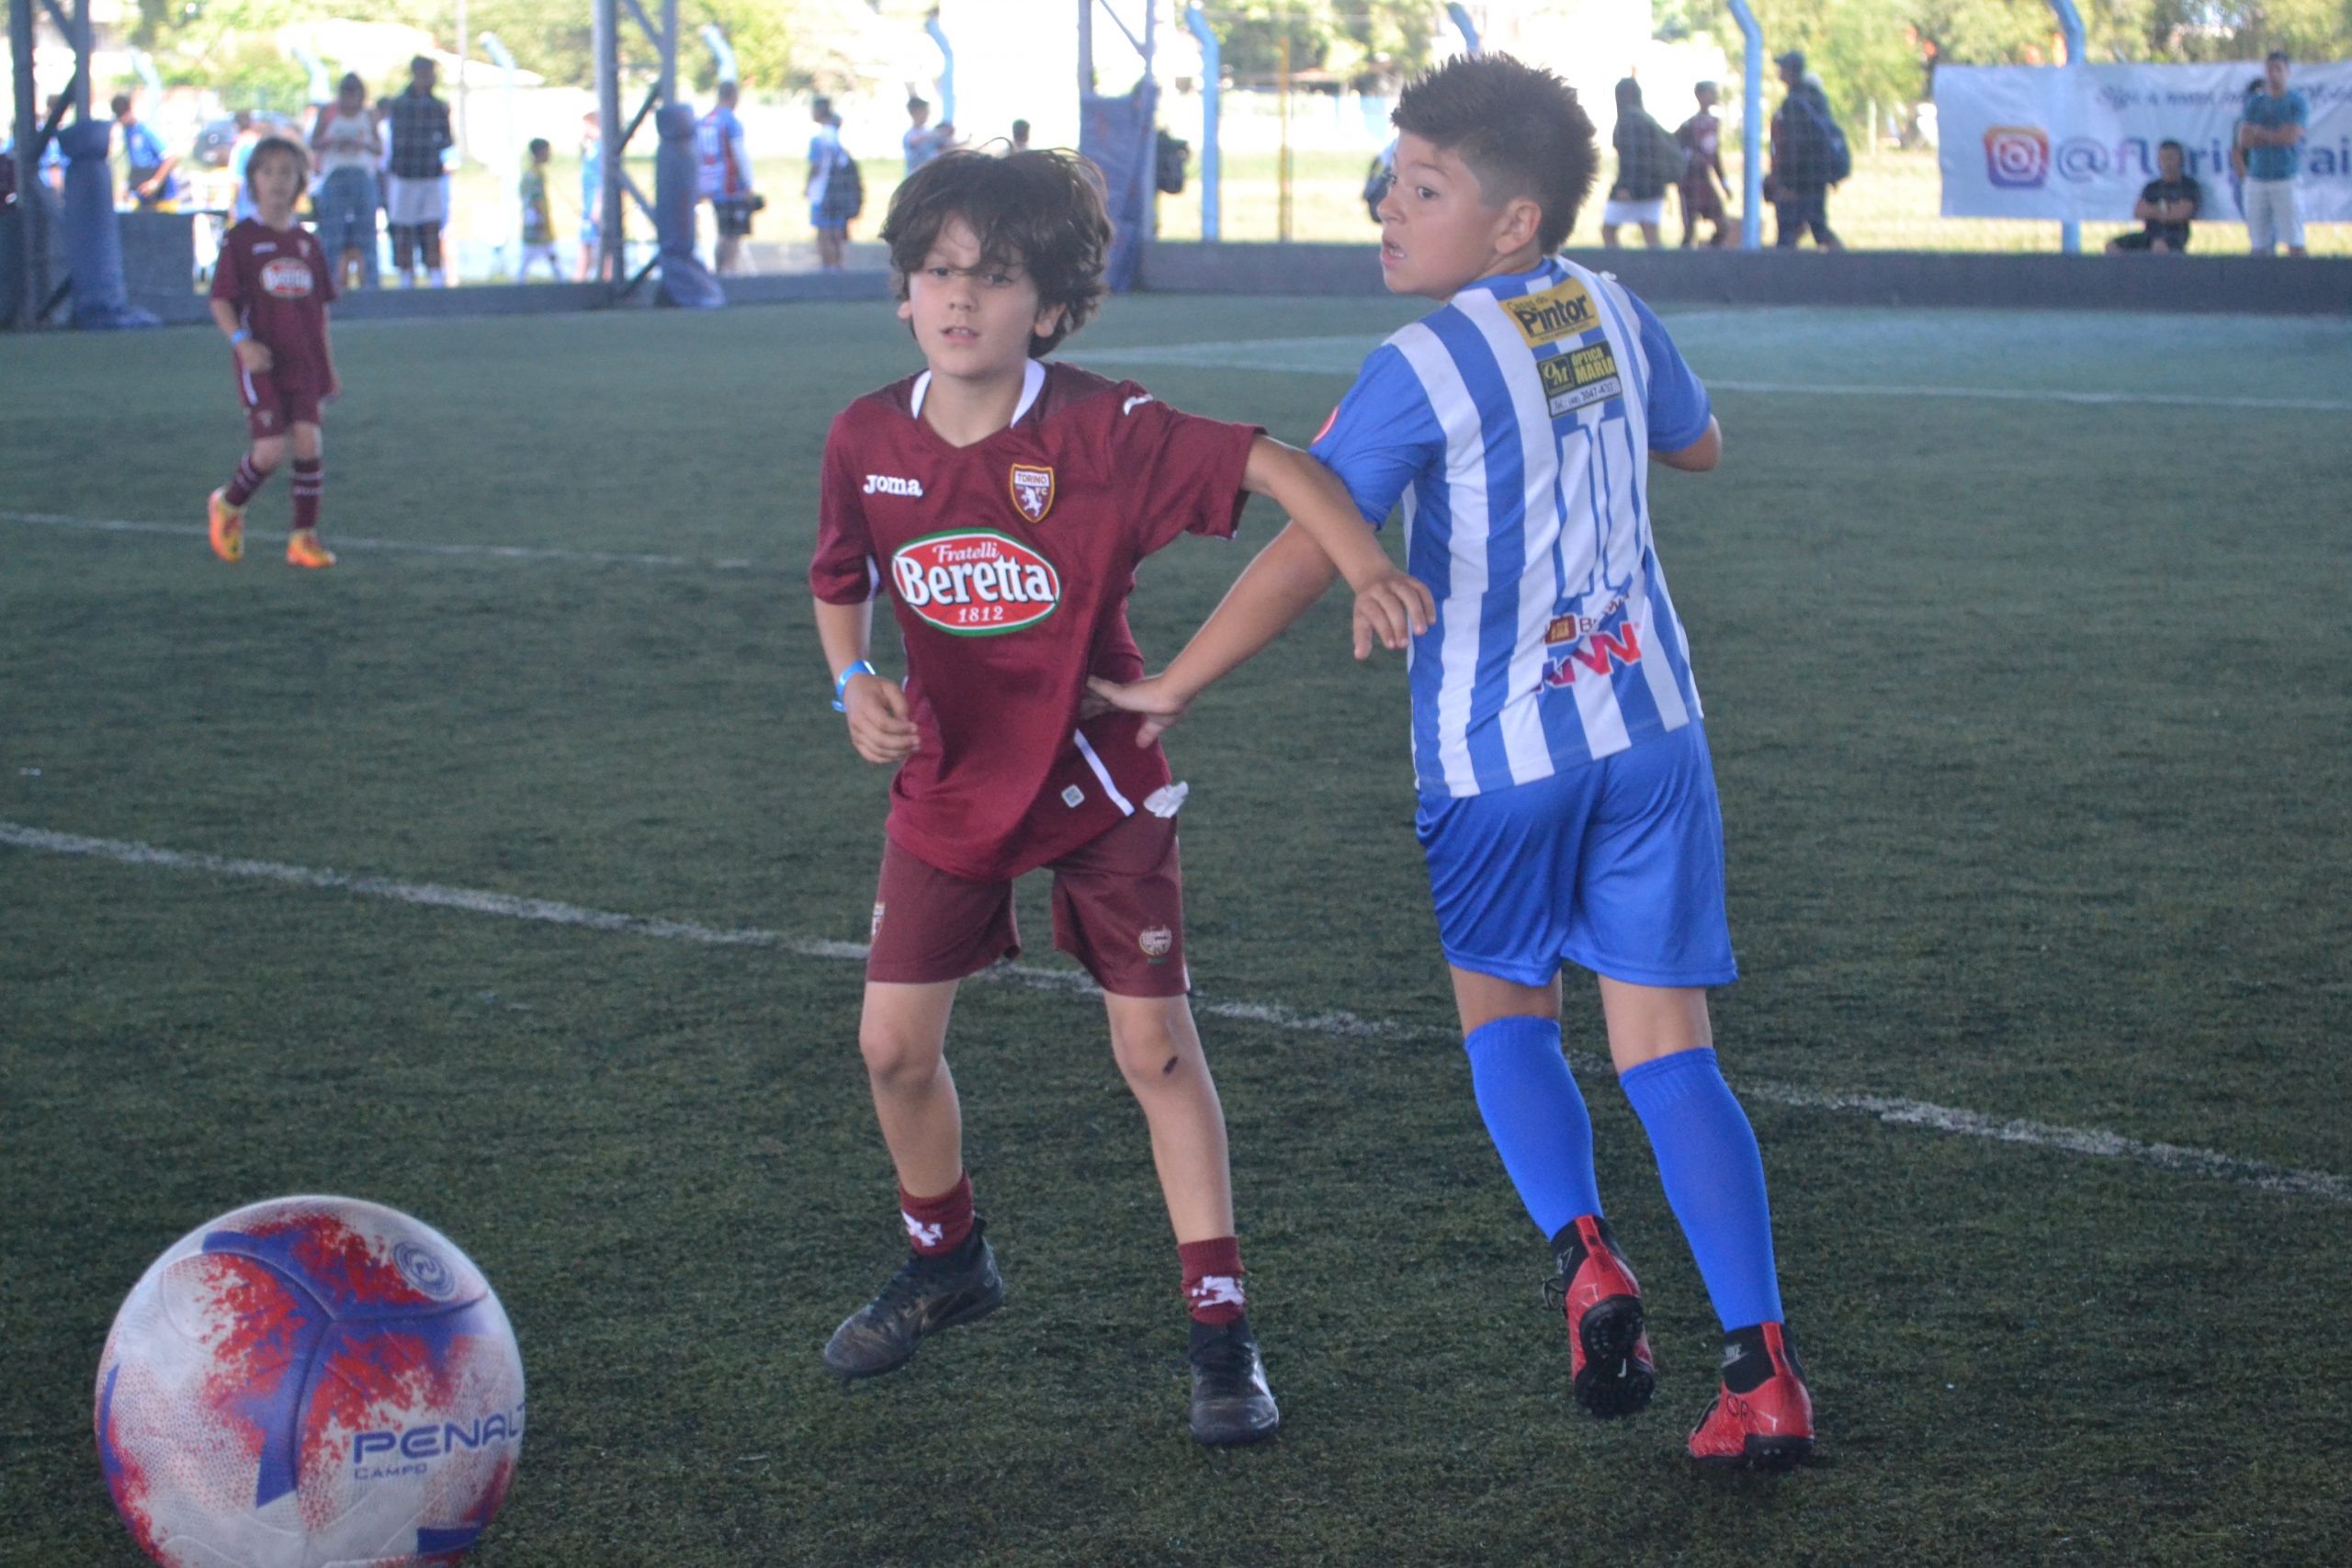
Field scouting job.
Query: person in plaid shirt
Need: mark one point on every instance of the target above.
(415, 201)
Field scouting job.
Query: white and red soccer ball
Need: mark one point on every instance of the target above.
(309, 1382)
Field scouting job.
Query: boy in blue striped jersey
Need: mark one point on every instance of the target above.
(1567, 805)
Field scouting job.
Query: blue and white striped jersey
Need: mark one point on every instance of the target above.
(1515, 426)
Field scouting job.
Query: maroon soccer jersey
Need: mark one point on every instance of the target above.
(280, 283)
(1010, 562)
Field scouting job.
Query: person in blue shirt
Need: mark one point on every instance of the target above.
(1567, 806)
(2272, 134)
(150, 171)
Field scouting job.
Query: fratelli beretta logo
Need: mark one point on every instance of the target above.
(975, 582)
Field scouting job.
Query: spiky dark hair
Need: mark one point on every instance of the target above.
(1518, 127)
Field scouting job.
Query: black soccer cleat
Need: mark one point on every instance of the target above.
(924, 1296)
(1231, 1404)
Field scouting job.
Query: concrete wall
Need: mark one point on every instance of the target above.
(2315, 285)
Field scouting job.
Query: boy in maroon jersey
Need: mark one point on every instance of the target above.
(1005, 504)
(270, 290)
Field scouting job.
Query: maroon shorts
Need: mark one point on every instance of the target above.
(273, 408)
(1702, 201)
(1118, 908)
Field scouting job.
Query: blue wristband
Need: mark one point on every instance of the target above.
(240, 335)
(841, 686)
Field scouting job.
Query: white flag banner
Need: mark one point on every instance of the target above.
(2052, 143)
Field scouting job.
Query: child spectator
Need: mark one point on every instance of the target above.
(1005, 504)
(2167, 205)
(835, 189)
(1702, 185)
(538, 219)
(270, 292)
(1567, 803)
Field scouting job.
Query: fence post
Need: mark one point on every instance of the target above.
(1752, 128)
(2070, 22)
(1211, 70)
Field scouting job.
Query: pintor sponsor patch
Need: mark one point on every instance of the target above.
(1560, 312)
(975, 582)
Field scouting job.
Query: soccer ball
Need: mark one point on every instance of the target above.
(309, 1382)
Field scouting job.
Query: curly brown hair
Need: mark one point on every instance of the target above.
(1518, 128)
(1041, 211)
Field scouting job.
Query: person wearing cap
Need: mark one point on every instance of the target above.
(1798, 185)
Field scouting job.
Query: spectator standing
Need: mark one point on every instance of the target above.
(726, 178)
(835, 189)
(592, 197)
(1704, 184)
(538, 219)
(415, 199)
(2272, 132)
(241, 154)
(348, 147)
(2165, 206)
(149, 170)
(924, 141)
(1804, 139)
(1649, 160)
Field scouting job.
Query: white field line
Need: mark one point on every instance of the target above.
(1340, 356)
(2087, 1140)
(414, 546)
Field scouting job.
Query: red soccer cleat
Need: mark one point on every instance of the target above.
(1595, 1291)
(1762, 1416)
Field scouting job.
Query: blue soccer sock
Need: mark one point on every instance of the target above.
(1537, 1118)
(1715, 1180)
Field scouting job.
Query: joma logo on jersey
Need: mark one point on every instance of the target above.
(1600, 653)
(286, 278)
(1581, 377)
(1556, 313)
(975, 582)
(891, 484)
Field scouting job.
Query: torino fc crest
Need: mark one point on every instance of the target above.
(1033, 491)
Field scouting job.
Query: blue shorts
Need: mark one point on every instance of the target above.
(1615, 865)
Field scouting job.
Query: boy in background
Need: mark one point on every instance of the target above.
(1567, 805)
(270, 292)
(538, 219)
(1005, 502)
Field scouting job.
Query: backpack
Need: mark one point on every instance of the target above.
(1170, 154)
(1838, 160)
(853, 185)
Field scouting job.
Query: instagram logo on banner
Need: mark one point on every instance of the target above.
(2017, 157)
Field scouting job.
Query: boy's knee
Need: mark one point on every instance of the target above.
(268, 452)
(307, 441)
(1150, 1049)
(895, 1059)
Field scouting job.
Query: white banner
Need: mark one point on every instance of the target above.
(2050, 143)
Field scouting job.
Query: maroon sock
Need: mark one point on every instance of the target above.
(310, 483)
(247, 480)
(938, 1224)
(1212, 1279)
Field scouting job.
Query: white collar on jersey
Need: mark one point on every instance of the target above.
(1032, 382)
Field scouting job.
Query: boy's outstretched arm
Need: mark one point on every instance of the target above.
(1390, 605)
(1273, 590)
(880, 726)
